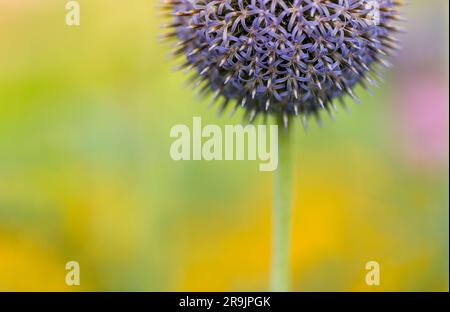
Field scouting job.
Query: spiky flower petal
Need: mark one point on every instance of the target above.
(283, 57)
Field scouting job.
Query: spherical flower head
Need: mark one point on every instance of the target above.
(283, 57)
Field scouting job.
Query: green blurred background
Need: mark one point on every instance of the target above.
(85, 172)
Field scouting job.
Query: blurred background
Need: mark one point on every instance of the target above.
(85, 172)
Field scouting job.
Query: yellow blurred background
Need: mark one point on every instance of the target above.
(85, 171)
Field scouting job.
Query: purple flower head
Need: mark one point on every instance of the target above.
(284, 57)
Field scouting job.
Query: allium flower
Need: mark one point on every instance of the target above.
(291, 57)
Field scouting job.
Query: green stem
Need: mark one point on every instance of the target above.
(282, 214)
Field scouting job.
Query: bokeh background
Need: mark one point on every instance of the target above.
(85, 172)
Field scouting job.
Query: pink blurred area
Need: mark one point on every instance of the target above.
(421, 87)
(423, 121)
